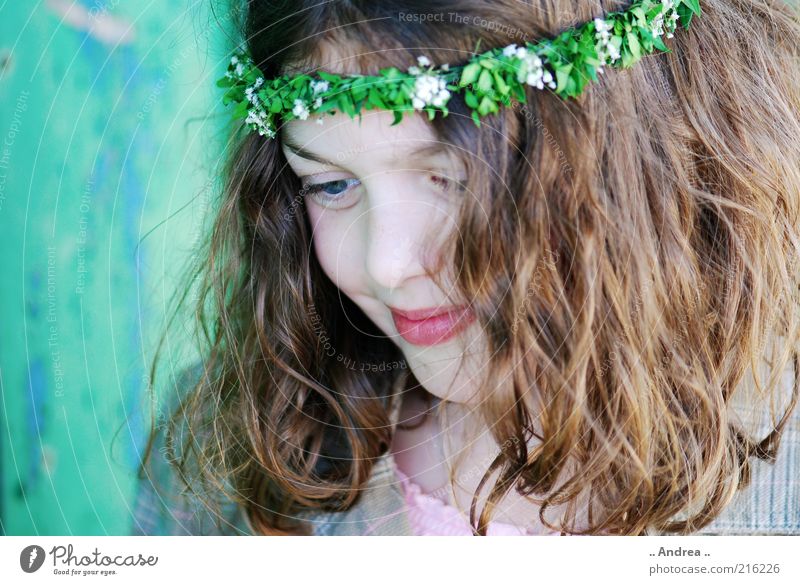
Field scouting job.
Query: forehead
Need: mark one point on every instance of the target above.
(372, 136)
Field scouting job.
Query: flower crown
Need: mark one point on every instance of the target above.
(564, 64)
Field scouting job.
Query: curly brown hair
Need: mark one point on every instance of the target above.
(644, 262)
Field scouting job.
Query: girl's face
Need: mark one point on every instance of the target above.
(380, 211)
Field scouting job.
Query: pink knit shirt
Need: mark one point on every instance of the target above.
(430, 516)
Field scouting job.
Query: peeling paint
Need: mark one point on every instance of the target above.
(106, 28)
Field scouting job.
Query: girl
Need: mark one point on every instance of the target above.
(574, 316)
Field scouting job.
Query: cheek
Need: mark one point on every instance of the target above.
(336, 248)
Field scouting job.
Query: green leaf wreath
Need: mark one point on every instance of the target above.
(564, 65)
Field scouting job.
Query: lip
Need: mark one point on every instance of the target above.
(431, 326)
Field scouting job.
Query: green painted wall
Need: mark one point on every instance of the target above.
(106, 150)
(105, 158)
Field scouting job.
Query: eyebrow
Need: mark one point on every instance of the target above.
(419, 153)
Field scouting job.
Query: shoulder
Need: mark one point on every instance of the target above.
(380, 509)
(163, 505)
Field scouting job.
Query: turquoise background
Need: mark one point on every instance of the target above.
(107, 151)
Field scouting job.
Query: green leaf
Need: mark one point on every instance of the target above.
(654, 11)
(470, 99)
(275, 106)
(487, 106)
(633, 45)
(376, 99)
(659, 44)
(694, 6)
(328, 76)
(519, 92)
(572, 88)
(431, 113)
(627, 58)
(398, 117)
(485, 81)
(346, 105)
(476, 118)
(469, 74)
(328, 104)
(685, 14)
(240, 111)
(645, 39)
(391, 73)
(562, 76)
(299, 81)
(502, 86)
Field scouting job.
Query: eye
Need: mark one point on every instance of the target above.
(330, 193)
(447, 184)
(442, 182)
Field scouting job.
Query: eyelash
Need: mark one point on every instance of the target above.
(314, 189)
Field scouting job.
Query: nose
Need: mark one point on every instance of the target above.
(399, 223)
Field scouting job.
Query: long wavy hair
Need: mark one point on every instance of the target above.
(643, 271)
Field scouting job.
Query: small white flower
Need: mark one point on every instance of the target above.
(606, 52)
(429, 90)
(601, 25)
(319, 86)
(300, 110)
(535, 80)
(414, 70)
(267, 131)
(510, 50)
(257, 120)
(234, 60)
(317, 103)
(533, 73)
(446, 67)
(668, 9)
(522, 53)
(258, 82)
(423, 61)
(320, 121)
(239, 69)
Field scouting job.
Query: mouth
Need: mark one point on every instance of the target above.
(432, 326)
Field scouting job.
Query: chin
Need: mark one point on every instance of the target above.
(438, 378)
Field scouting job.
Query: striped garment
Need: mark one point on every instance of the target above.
(769, 505)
